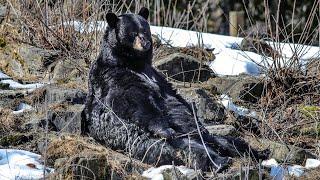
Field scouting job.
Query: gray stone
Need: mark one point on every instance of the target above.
(258, 46)
(313, 67)
(242, 87)
(221, 130)
(34, 124)
(36, 58)
(208, 109)
(67, 119)
(184, 68)
(282, 152)
(57, 94)
(9, 98)
(26, 62)
(3, 11)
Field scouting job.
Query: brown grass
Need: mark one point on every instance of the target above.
(75, 147)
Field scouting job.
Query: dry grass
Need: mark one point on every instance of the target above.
(79, 150)
(7, 120)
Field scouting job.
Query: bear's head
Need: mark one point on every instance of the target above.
(128, 37)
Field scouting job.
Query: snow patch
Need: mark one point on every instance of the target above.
(20, 164)
(21, 108)
(312, 163)
(15, 85)
(296, 170)
(229, 59)
(269, 163)
(278, 172)
(156, 173)
(4, 76)
(226, 101)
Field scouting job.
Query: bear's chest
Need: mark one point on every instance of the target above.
(148, 80)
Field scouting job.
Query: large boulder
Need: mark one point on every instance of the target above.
(184, 68)
(208, 109)
(282, 152)
(56, 94)
(25, 62)
(242, 87)
(66, 118)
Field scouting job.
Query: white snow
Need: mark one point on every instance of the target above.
(15, 85)
(226, 101)
(296, 170)
(269, 163)
(229, 60)
(21, 108)
(304, 52)
(279, 171)
(3, 76)
(312, 163)
(20, 164)
(156, 173)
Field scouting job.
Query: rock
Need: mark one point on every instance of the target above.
(258, 46)
(242, 87)
(66, 119)
(3, 12)
(156, 41)
(313, 67)
(15, 139)
(208, 109)
(69, 70)
(9, 98)
(34, 124)
(221, 130)
(36, 58)
(184, 68)
(57, 94)
(25, 62)
(282, 152)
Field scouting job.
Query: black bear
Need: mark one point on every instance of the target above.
(131, 107)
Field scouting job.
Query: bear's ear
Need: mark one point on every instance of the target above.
(144, 12)
(112, 19)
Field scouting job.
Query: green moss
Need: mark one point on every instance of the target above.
(3, 42)
(310, 111)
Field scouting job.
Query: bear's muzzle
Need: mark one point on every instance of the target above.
(141, 44)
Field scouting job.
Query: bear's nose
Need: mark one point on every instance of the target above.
(146, 44)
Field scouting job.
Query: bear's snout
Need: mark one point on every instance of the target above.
(141, 43)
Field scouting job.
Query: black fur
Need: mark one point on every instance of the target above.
(131, 107)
